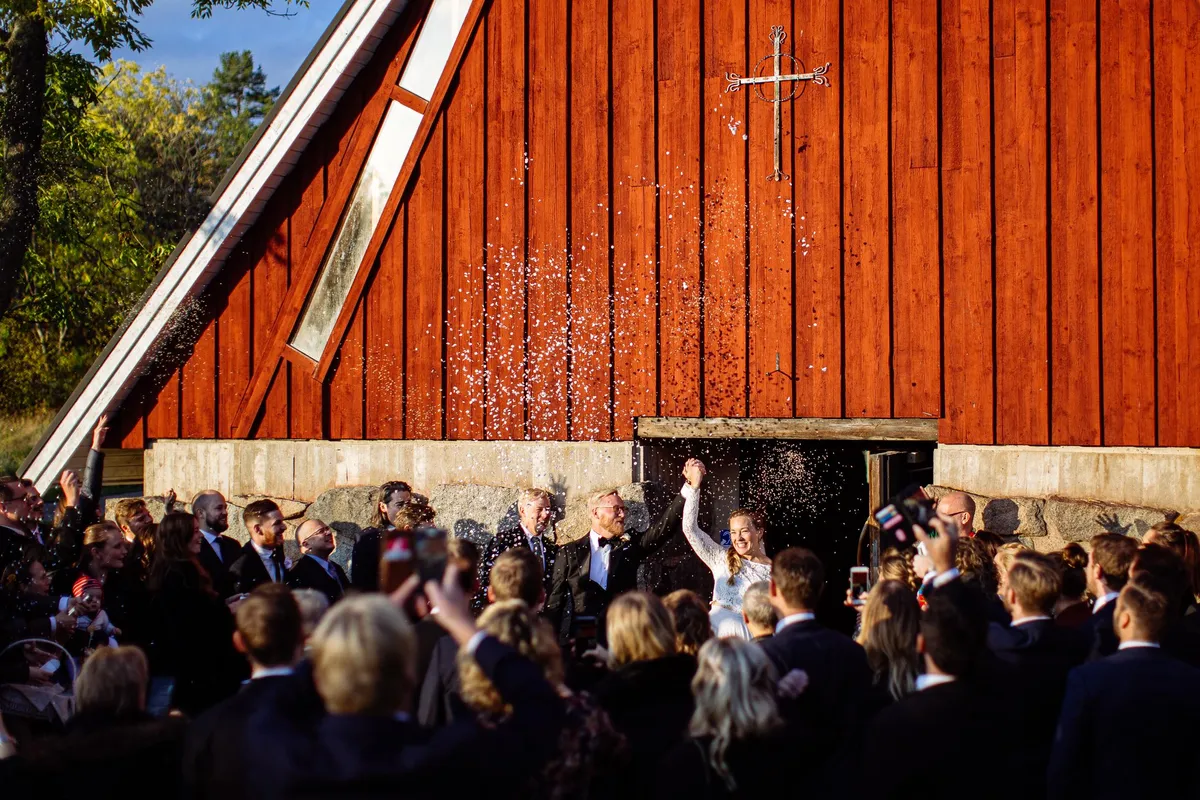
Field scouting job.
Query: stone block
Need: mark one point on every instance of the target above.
(1189, 522)
(474, 511)
(1018, 516)
(1079, 521)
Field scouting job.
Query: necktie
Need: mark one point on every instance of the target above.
(535, 544)
(276, 567)
(332, 573)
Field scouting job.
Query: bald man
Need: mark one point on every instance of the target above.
(217, 551)
(314, 570)
(961, 507)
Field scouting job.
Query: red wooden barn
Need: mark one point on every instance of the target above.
(551, 222)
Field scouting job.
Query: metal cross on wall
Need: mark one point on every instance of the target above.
(799, 76)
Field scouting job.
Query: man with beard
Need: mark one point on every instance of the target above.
(261, 560)
(217, 551)
(535, 508)
(589, 572)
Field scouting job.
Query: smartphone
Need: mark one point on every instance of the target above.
(911, 507)
(860, 585)
(585, 633)
(51, 666)
(430, 545)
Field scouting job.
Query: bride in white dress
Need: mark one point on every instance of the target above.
(734, 568)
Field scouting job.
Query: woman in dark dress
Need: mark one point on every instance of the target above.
(648, 691)
(736, 746)
(192, 628)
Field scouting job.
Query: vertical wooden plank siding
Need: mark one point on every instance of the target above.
(269, 285)
(590, 317)
(771, 220)
(198, 415)
(866, 223)
(1127, 222)
(235, 347)
(679, 209)
(635, 309)
(423, 297)
(817, 178)
(725, 139)
(506, 222)
(305, 393)
(385, 350)
(162, 419)
(916, 273)
(547, 292)
(1177, 246)
(1021, 223)
(346, 386)
(465, 369)
(966, 224)
(1074, 214)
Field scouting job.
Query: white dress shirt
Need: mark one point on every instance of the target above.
(598, 570)
(927, 680)
(269, 672)
(212, 539)
(791, 619)
(1132, 643)
(265, 555)
(1024, 620)
(1103, 601)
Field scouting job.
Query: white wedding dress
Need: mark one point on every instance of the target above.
(726, 613)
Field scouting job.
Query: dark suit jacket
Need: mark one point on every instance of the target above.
(960, 721)
(1128, 729)
(308, 574)
(1100, 628)
(363, 756)
(364, 561)
(248, 570)
(573, 593)
(506, 540)
(217, 754)
(830, 712)
(440, 701)
(218, 568)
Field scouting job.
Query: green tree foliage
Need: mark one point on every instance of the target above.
(126, 176)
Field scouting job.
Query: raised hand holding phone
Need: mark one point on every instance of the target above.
(942, 544)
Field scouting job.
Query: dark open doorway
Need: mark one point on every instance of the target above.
(814, 494)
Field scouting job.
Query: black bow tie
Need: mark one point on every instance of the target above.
(604, 543)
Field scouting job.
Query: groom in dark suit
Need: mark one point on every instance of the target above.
(314, 570)
(590, 572)
(217, 551)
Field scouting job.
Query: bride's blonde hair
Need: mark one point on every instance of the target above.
(733, 560)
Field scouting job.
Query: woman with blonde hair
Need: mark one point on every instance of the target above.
(647, 692)
(735, 567)
(590, 752)
(890, 621)
(735, 746)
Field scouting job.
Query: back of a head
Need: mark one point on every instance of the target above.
(270, 627)
(799, 577)
(516, 625)
(1183, 543)
(756, 605)
(734, 689)
(464, 555)
(1005, 555)
(898, 568)
(690, 616)
(313, 605)
(1114, 554)
(414, 515)
(113, 681)
(639, 628)
(1036, 581)
(364, 657)
(1072, 564)
(991, 541)
(954, 628)
(1148, 605)
(976, 563)
(517, 575)
(890, 622)
(1163, 569)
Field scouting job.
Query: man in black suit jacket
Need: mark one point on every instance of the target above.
(829, 711)
(590, 572)
(217, 756)
(1107, 570)
(363, 655)
(1040, 652)
(933, 743)
(314, 570)
(1129, 720)
(261, 560)
(535, 509)
(364, 559)
(217, 551)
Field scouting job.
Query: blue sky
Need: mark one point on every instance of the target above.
(190, 48)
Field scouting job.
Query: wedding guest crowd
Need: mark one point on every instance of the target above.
(537, 669)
